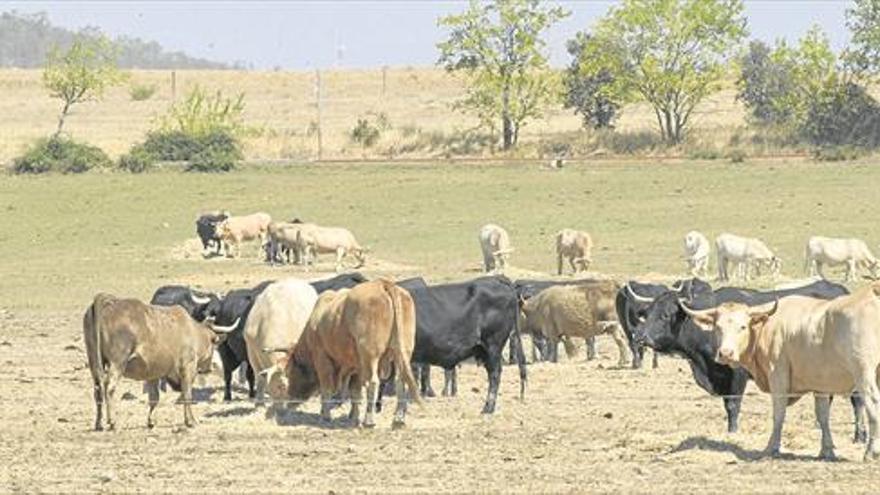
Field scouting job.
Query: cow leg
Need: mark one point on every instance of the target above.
(619, 339)
(402, 400)
(511, 350)
(450, 382)
(424, 375)
(591, 348)
(99, 403)
(655, 363)
(820, 270)
(866, 385)
(372, 383)
(340, 254)
(356, 393)
(860, 434)
(638, 353)
(153, 397)
(186, 382)
(779, 389)
(111, 378)
(493, 369)
(559, 264)
(228, 359)
(823, 409)
(850, 270)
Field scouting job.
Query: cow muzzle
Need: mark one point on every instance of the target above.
(725, 356)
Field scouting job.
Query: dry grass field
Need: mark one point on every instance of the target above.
(280, 106)
(584, 427)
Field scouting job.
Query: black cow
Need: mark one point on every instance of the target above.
(458, 321)
(206, 229)
(632, 302)
(668, 329)
(198, 304)
(237, 306)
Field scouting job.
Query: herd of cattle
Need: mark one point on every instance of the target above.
(340, 336)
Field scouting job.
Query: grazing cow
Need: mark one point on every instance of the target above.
(633, 301)
(199, 305)
(206, 228)
(125, 337)
(235, 230)
(667, 329)
(696, 253)
(495, 245)
(273, 327)
(353, 338)
(576, 246)
(854, 253)
(799, 345)
(313, 239)
(743, 253)
(458, 321)
(583, 311)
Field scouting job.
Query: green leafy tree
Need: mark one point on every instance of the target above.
(589, 91)
(498, 45)
(202, 113)
(80, 73)
(863, 21)
(669, 53)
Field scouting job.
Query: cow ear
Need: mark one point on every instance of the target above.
(704, 322)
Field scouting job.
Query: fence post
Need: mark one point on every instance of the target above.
(318, 105)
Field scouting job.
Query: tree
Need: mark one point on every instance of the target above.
(863, 21)
(498, 45)
(670, 53)
(81, 73)
(589, 92)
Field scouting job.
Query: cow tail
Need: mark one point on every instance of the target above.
(401, 362)
(520, 356)
(96, 360)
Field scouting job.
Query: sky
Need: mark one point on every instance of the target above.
(360, 33)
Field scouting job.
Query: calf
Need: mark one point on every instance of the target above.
(127, 338)
(495, 245)
(235, 230)
(354, 337)
(576, 246)
(853, 253)
(696, 253)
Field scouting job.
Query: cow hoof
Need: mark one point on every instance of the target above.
(367, 426)
(861, 436)
(772, 453)
(398, 424)
(429, 393)
(99, 428)
(827, 455)
(150, 425)
(111, 427)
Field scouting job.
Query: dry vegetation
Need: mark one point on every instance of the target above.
(282, 112)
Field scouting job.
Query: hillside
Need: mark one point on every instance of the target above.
(26, 38)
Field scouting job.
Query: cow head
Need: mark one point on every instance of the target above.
(221, 230)
(733, 325)
(276, 380)
(302, 381)
(661, 321)
(207, 305)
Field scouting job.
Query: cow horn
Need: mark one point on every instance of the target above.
(762, 311)
(694, 313)
(638, 298)
(677, 285)
(227, 329)
(200, 300)
(275, 349)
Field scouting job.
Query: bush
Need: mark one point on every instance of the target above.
(136, 161)
(178, 146)
(212, 160)
(836, 154)
(737, 156)
(844, 114)
(60, 154)
(589, 95)
(142, 92)
(704, 154)
(201, 113)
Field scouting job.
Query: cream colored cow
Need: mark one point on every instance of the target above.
(576, 246)
(495, 245)
(854, 253)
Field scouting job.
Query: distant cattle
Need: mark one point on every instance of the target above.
(235, 230)
(797, 345)
(576, 246)
(206, 229)
(281, 243)
(273, 327)
(744, 253)
(583, 311)
(696, 253)
(315, 239)
(472, 319)
(496, 248)
(853, 253)
(668, 329)
(353, 338)
(127, 338)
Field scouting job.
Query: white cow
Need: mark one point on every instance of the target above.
(495, 244)
(696, 252)
(577, 246)
(312, 240)
(275, 324)
(743, 252)
(830, 251)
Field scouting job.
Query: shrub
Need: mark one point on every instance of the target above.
(136, 161)
(142, 92)
(704, 154)
(836, 153)
(175, 146)
(843, 114)
(737, 156)
(589, 94)
(365, 133)
(200, 114)
(212, 160)
(628, 143)
(60, 154)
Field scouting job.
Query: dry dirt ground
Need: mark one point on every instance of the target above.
(584, 427)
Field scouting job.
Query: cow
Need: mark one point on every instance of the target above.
(576, 246)
(312, 240)
(797, 345)
(633, 300)
(495, 246)
(667, 329)
(206, 229)
(131, 339)
(282, 238)
(199, 305)
(236, 306)
(235, 230)
(853, 253)
(743, 253)
(696, 253)
(273, 327)
(353, 338)
(472, 319)
(584, 311)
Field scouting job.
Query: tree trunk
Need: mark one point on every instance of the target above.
(506, 122)
(61, 119)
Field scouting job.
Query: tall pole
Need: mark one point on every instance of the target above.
(318, 105)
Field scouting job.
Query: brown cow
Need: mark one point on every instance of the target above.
(576, 246)
(125, 337)
(353, 338)
(235, 230)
